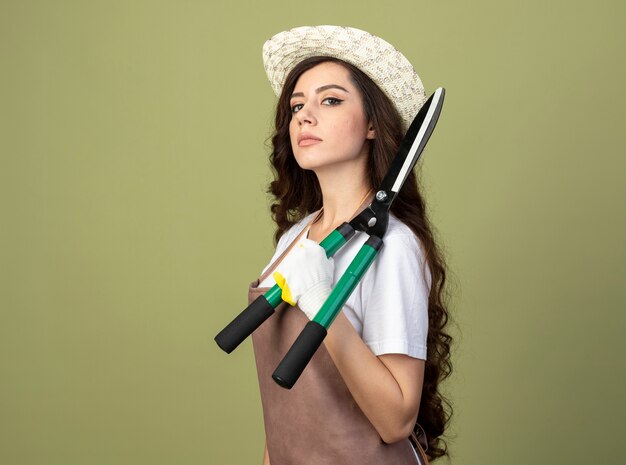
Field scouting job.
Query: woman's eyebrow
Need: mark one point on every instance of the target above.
(321, 89)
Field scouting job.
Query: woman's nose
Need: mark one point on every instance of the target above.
(305, 115)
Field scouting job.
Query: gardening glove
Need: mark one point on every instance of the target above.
(305, 276)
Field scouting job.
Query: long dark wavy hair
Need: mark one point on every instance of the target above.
(297, 193)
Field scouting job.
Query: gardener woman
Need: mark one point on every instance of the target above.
(369, 396)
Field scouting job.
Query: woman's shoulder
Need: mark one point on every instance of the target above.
(397, 230)
(402, 255)
(401, 238)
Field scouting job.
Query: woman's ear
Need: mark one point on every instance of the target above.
(371, 133)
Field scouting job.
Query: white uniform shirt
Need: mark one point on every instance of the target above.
(389, 306)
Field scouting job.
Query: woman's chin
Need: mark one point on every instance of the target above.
(310, 162)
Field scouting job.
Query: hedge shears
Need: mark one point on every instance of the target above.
(373, 220)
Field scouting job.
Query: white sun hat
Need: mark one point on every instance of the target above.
(385, 65)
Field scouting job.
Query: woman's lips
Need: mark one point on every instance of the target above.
(305, 142)
(306, 138)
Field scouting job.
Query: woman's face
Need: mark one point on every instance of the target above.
(328, 124)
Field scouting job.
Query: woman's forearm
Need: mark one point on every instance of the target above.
(390, 404)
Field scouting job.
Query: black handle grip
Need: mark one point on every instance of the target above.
(244, 324)
(300, 354)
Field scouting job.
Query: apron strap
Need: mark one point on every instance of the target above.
(274, 264)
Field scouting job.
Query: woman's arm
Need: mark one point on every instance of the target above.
(387, 388)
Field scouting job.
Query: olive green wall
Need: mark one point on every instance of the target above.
(133, 167)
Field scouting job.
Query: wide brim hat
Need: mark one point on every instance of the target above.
(378, 59)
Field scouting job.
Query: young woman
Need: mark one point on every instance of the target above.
(370, 393)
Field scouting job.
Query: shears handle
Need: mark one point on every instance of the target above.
(250, 319)
(313, 334)
(264, 306)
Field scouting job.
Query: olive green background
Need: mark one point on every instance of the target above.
(133, 216)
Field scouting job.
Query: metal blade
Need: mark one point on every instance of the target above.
(413, 144)
(375, 218)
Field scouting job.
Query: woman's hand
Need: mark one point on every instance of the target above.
(305, 276)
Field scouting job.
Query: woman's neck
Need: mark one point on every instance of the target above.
(343, 192)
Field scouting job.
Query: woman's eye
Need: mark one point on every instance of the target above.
(296, 108)
(332, 101)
